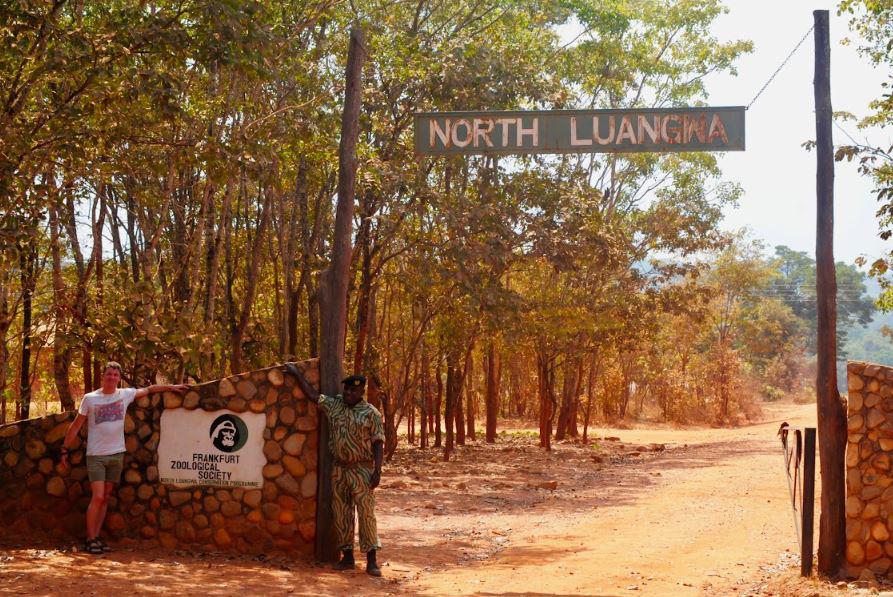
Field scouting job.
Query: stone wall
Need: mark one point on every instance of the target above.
(869, 480)
(40, 498)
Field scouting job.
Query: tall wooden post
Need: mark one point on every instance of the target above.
(807, 515)
(831, 414)
(333, 306)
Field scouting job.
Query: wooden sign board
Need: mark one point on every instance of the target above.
(580, 131)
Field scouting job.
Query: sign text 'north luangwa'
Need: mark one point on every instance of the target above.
(580, 131)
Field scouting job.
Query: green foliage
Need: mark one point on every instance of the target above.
(872, 20)
(189, 153)
(796, 287)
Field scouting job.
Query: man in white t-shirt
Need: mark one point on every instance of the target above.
(104, 411)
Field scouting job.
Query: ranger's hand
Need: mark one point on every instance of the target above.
(375, 480)
(305, 385)
(293, 369)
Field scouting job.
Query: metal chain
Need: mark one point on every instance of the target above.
(780, 66)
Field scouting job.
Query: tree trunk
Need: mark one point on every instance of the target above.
(462, 386)
(251, 276)
(27, 265)
(312, 245)
(334, 296)
(470, 399)
(290, 215)
(831, 415)
(545, 374)
(493, 375)
(590, 395)
(450, 407)
(6, 318)
(438, 405)
(313, 293)
(568, 385)
(572, 429)
(212, 258)
(61, 345)
(425, 398)
(459, 410)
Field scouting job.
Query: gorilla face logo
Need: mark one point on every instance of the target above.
(228, 433)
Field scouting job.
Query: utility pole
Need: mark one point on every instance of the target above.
(333, 306)
(831, 413)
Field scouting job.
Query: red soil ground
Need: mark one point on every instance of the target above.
(707, 514)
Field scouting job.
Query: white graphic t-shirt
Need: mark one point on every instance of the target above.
(105, 420)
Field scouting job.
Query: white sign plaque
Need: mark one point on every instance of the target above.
(221, 448)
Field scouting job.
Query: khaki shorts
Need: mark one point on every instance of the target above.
(105, 468)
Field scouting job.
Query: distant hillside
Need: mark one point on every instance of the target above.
(868, 344)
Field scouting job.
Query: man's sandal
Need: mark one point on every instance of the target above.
(93, 546)
(103, 545)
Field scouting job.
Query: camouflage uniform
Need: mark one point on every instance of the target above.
(352, 431)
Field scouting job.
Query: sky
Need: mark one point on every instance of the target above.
(776, 172)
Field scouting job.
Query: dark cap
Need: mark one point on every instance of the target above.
(354, 381)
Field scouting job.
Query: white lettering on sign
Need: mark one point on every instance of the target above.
(221, 448)
(575, 139)
(559, 132)
(477, 132)
(533, 132)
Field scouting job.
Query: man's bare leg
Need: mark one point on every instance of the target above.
(109, 487)
(96, 509)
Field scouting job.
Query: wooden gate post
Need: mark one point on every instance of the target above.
(807, 511)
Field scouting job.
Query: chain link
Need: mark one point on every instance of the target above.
(780, 66)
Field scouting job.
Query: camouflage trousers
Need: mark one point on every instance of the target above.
(350, 489)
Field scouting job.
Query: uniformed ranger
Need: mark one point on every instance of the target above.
(356, 437)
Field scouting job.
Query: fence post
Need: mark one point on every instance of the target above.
(806, 522)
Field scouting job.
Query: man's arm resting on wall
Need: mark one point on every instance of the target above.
(305, 386)
(378, 451)
(179, 388)
(72, 432)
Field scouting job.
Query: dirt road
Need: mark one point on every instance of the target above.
(709, 515)
(706, 515)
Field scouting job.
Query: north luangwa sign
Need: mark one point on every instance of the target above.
(580, 131)
(221, 448)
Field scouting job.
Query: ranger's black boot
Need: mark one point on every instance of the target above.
(347, 562)
(372, 568)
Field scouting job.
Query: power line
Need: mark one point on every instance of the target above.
(780, 66)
